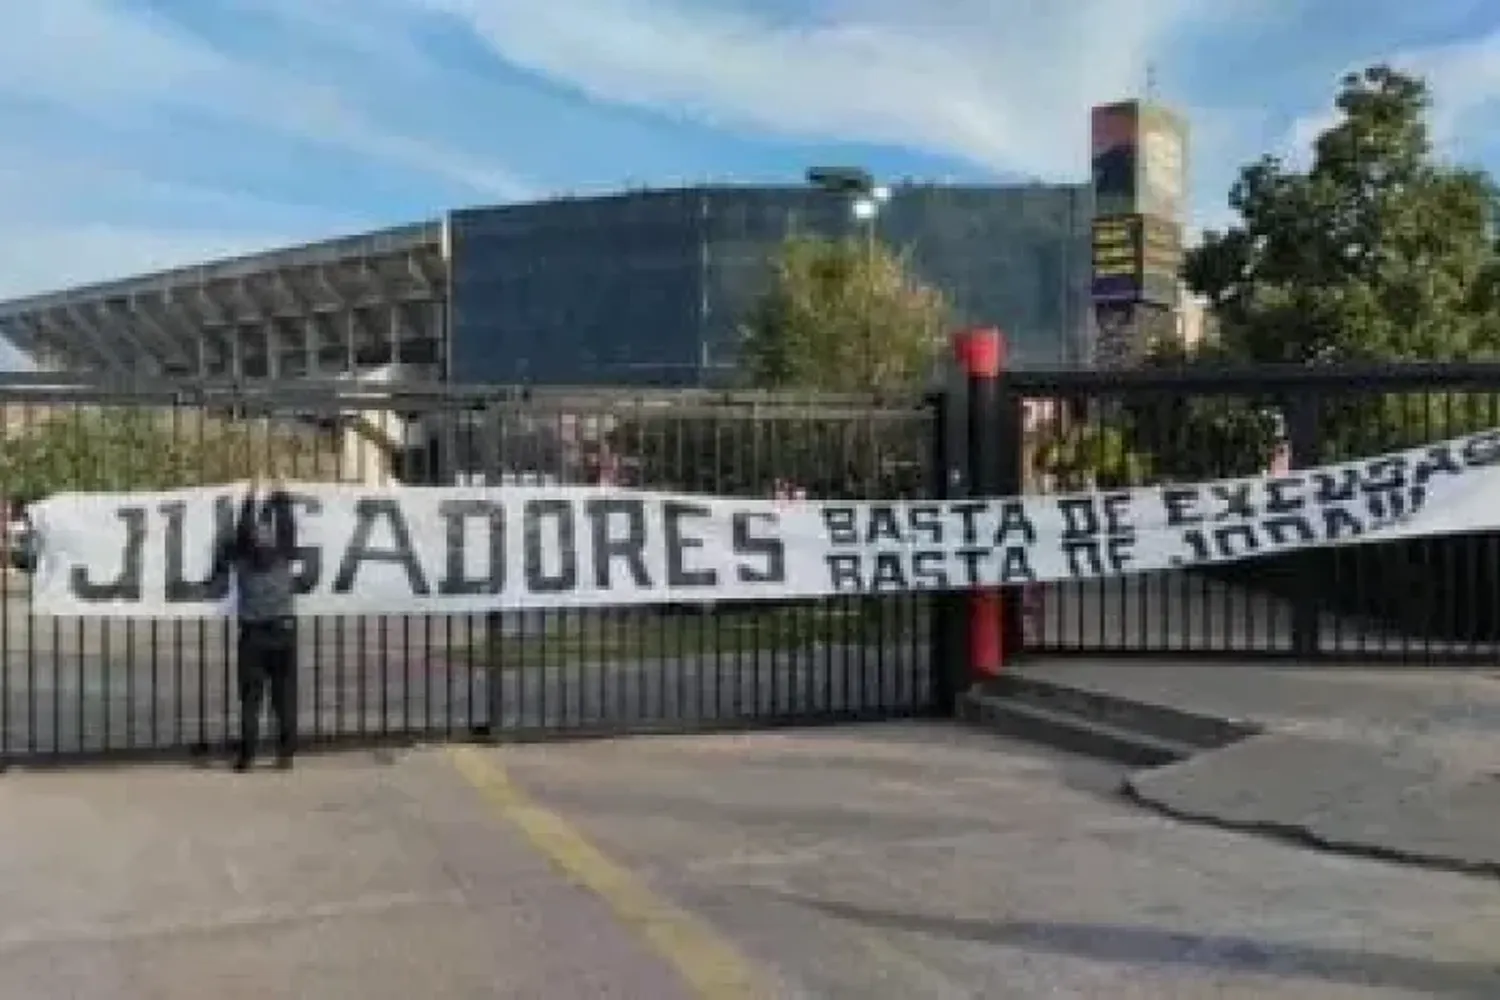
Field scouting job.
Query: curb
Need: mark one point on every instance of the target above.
(1144, 735)
(1106, 726)
(1062, 731)
(1304, 836)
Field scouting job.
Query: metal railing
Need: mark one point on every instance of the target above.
(1425, 599)
(78, 687)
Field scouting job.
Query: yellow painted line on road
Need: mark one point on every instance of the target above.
(712, 967)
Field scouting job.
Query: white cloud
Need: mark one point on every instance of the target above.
(91, 89)
(1464, 78)
(1006, 86)
(1003, 85)
(100, 59)
(91, 55)
(1465, 81)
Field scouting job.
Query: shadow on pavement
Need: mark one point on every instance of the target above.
(1137, 945)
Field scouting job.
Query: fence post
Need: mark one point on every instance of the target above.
(491, 468)
(949, 662)
(1302, 449)
(1008, 429)
(981, 356)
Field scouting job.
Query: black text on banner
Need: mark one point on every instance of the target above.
(465, 549)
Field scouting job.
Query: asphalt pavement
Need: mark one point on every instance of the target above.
(863, 861)
(921, 860)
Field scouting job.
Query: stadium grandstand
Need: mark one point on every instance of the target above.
(640, 289)
(320, 311)
(370, 309)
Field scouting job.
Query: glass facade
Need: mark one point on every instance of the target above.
(649, 288)
(577, 291)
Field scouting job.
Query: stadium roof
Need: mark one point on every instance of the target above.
(154, 319)
(380, 243)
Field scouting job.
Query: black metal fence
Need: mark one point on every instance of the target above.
(1420, 600)
(71, 687)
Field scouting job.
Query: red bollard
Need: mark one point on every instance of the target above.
(981, 354)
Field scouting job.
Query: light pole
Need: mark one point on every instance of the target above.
(866, 200)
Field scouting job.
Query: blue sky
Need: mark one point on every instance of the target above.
(140, 134)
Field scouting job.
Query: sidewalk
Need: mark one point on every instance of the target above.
(348, 878)
(1401, 764)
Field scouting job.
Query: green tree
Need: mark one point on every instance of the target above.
(838, 316)
(843, 315)
(1378, 251)
(1086, 457)
(90, 450)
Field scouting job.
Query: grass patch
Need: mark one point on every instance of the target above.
(616, 635)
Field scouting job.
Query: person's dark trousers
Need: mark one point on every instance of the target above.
(268, 661)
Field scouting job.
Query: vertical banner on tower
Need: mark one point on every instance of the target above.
(1161, 164)
(1138, 152)
(1114, 147)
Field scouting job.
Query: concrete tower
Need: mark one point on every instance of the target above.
(1139, 154)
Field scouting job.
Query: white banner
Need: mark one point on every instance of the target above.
(447, 550)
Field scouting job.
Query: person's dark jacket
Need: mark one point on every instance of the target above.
(258, 551)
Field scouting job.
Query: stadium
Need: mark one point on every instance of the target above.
(642, 288)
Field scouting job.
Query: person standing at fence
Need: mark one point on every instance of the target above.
(258, 552)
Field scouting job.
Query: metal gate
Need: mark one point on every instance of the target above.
(1423, 600)
(72, 688)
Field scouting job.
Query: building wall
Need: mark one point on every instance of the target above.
(576, 291)
(1013, 257)
(649, 288)
(743, 227)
